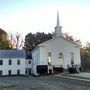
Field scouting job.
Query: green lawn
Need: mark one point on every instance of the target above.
(79, 75)
(4, 85)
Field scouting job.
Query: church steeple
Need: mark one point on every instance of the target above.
(58, 28)
(58, 23)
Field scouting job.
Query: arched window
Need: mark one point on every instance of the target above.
(60, 55)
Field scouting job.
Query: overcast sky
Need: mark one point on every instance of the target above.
(26, 16)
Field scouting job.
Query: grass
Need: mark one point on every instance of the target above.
(76, 75)
(4, 85)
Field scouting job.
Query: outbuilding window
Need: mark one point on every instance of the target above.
(18, 62)
(1, 62)
(1, 72)
(10, 62)
(29, 62)
(18, 72)
(9, 72)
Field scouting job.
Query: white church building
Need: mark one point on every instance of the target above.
(47, 57)
(55, 53)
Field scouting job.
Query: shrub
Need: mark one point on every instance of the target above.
(71, 70)
(58, 69)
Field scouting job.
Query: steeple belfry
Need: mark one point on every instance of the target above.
(58, 28)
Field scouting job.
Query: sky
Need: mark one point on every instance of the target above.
(25, 16)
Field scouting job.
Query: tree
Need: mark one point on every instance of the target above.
(4, 40)
(70, 37)
(17, 41)
(85, 56)
(32, 40)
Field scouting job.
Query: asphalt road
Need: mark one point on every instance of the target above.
(44, 83)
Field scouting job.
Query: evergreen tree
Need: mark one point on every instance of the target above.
(4, 40)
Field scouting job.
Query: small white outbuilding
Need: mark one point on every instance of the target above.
(55, 53)
(12, 62)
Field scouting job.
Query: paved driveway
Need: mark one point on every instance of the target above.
(44, 83)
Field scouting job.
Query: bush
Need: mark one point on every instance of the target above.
(58, 69)
(74, 68)
(41, 69)
(71, 70)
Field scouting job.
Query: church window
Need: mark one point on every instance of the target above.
(60, 55)
(49, 54)
(49, 58)
(72, 58)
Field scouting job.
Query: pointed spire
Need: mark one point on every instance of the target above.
(58, 28)
(58, 23)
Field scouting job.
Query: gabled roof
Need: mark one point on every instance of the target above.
(42, 44)
(72, 42)
(12, 54)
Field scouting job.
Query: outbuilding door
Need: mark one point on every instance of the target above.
(28, 71)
